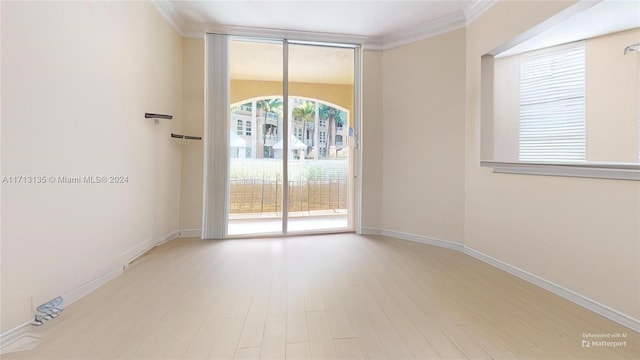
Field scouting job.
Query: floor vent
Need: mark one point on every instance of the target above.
(48, 311)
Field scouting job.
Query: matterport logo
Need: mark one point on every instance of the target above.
(610, 340)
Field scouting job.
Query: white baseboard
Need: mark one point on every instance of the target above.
(80, 291)
(87, 288)
(184, 233)
(576, 298)
(412, 237)
(568, 294)
(132, 254)
(11, 341)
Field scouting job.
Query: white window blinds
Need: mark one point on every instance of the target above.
(216, 137)
(552, 104)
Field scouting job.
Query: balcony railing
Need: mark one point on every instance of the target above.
(258, 195)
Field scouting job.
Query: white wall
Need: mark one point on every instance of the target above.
(372, 144)
(77, 79)
(423, 137)
(506, 109)
(192, 124)
(583, 234)
(612, 98)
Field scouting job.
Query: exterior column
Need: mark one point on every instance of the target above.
(290, 124)
(316, 132)
(254, 130)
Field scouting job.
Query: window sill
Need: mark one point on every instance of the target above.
(615, 171)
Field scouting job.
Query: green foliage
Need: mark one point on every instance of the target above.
(340, 117)
(305, 111)
(315, 172)
(270, 105)
(271, 169)
(329, 113)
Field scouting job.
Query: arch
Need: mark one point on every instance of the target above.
(262, 131)
(305, 98)
(342, 95)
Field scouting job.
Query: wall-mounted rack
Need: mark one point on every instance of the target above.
(155, 117)
(185, 137)
(630, 48)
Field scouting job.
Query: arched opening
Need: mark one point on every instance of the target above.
(318, 166)
(319, 125)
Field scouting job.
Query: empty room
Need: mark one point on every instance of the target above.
(320, 179)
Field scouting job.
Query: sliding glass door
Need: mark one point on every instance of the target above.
(257, 126)
(290, 144)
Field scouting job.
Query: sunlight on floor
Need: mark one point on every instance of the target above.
(245, 226)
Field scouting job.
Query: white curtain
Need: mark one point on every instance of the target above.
(216, 137)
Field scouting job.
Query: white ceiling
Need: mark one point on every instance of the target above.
(606, 17)
(376, 24)
(363, 18)
(384, 23)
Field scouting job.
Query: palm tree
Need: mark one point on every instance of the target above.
(334, 117)
(305, 112)
(271, 105)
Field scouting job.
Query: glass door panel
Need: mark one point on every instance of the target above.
(319, 168)
(255, 137)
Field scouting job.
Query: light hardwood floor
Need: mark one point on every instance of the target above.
(332, 296)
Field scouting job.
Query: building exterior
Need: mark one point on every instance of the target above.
(261, 129)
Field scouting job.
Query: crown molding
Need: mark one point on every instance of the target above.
(438, 26)
(197, 31)
(450, 22)
(477, 8)
(169, 12)
(426, 30)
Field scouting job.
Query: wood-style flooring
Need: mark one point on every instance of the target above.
(323, 297)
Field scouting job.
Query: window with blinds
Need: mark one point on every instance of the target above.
(552, 104)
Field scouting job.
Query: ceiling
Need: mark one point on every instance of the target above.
(606, 17)
(375, 24)
(381, 24)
